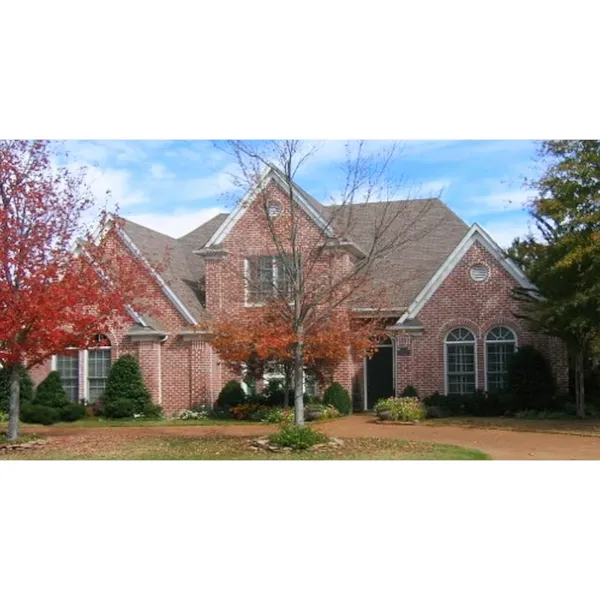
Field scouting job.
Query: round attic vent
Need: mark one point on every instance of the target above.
(273, 208)
(480, 273)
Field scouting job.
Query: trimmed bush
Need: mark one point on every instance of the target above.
(126, 390)
(39, 414)
(530, 380)
(153, 411)
(71, 412)
(231, 395)
(121, 408)
(478, 404)
(297, 437)
(338, 397)
(25, 385)
(409, 392)
(51, 392)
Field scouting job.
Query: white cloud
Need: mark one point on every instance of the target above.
(209, 186)
(496, 202)
(504, 231)
(176, 224)
(117, 182)
(159, 171)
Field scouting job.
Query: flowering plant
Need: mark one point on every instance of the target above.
(401, 409)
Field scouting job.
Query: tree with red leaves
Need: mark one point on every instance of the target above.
(258, 338)
(58, 285)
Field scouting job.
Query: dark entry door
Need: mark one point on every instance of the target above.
(380, 375)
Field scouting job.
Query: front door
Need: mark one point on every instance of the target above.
(380, 375)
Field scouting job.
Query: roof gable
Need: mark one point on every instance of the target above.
(270, 175)
(475, 234)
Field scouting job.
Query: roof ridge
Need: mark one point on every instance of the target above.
(148, 228)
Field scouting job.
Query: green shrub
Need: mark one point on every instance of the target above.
(125, 387)
(51, 392)
(3, 417)
(278, 415)
(121, 408)
(402, 409)
(478, 404)
(25, 385)
(39, 414)
(231, 395)
(530, 380)
(153, 411)
(337, 396)
(71, 412)
(297, 437)
(409, 392)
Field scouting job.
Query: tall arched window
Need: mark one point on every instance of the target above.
(98, 366)
(461, 368)
(500, 343)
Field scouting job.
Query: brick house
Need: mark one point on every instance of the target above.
(447, 294)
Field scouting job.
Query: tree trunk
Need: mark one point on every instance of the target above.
(579, 386)
(298, 378)
(14, 402)
(286, 388)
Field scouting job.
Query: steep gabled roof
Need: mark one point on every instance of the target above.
(270, 175)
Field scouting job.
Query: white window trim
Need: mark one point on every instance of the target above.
(485, 346)
(447, 343)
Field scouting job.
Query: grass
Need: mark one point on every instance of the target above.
(581, 427)
(226, 448)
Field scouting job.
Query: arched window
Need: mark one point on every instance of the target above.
(98, 366)
(500, 343)
(461, 367)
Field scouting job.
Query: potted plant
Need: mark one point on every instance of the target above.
(313, 412)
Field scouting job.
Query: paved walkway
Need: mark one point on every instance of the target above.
(497, 443)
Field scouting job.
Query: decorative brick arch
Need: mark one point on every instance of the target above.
(448, 326)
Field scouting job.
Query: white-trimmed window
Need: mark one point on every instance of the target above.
(98, 367)
(461, 365)
(67, 365)
(500, 343)
(265, 278)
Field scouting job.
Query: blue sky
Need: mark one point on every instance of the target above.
(174, 186)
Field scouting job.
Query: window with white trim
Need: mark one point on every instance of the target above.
(500, 343)
(67, 365)
(461, 372)
(266, 278)
(98, 367)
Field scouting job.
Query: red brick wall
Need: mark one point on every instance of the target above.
(479, 306)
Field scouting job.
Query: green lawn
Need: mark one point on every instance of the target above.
(150, 447)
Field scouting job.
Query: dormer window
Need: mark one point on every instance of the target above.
(266, 278)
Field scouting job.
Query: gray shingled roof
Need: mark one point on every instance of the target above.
(429, 231)
(181, 270)
(424, 233)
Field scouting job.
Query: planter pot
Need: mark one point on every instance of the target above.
(384, 415)
(313, 414)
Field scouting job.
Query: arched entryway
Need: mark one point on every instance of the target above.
(379, 374)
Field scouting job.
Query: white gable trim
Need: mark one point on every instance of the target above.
(185, 313)
(268, 176)
(475, 234)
